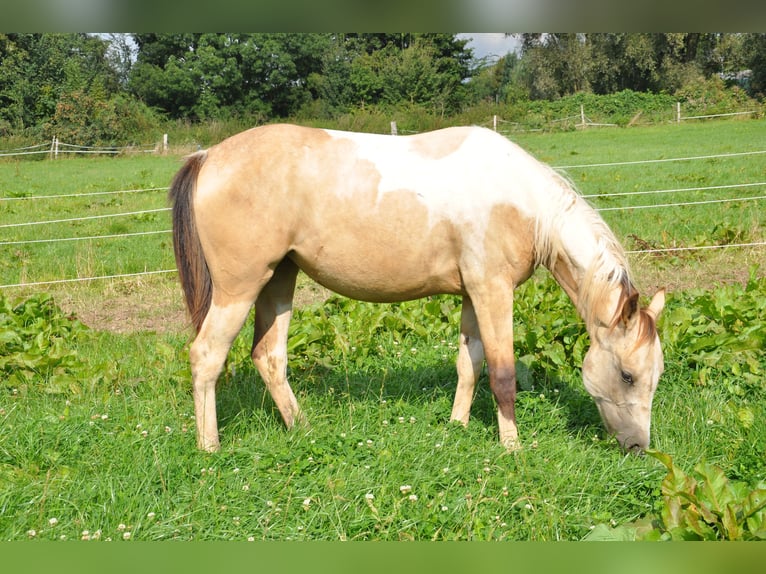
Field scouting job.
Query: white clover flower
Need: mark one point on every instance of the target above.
(405, 488)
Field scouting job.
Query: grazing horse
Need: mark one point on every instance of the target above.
(384, 218)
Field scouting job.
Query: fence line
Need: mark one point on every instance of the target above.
(664, 160)
(25, 148)
(89, 217)
(25, 153)
(87, 194)
(82, 279)
(677, 190)
(695, 248)
(715, 115)
(682, 204)
(86, 237)
(56, 147)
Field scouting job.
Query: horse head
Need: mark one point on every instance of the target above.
(622, 367)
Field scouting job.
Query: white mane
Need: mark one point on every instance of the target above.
(570, 230)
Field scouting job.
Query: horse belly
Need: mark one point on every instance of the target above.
(372, 265)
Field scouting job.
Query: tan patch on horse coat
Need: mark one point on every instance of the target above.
(511, 235)
(334, 222)
(429, 147)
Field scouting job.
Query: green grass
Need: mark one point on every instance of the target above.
(112, 452)
(736, 222)
(33, 262)
(97, 429)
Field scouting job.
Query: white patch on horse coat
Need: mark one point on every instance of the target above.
(463, 186)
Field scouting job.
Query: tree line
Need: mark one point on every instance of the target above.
(116, 87)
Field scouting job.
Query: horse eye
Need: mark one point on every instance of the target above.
(627, 378)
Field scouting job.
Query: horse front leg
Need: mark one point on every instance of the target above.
(470, 358)
(494, 312)
(273, 311)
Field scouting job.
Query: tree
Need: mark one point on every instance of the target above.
(561, 64)
(754, 46)
(37, 69)
(371, 69)
(202, 76)
(554, 65)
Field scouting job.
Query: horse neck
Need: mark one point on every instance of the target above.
(584, 257)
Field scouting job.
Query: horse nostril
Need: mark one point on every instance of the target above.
(636, 449)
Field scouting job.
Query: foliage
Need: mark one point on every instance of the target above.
(701, 505)
(705, 505)
(89, 120)
(379, 462)
(710, 96)
(556, 65)
(103, 88)
(37, 69)
(548, 334)
(38, 345)
(719, 333)
(754, 47)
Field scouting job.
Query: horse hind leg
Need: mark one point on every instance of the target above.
(273, 311)
(469, 362)
(207, 356)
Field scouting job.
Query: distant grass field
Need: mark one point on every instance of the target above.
(97, 428)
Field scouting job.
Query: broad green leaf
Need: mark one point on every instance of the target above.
(714, 490)
(731, 526)
(604, 533)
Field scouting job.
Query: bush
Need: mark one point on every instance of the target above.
(86, 119)
(37, 346)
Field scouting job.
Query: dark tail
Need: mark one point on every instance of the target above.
(190, 260)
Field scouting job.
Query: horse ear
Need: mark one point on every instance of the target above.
(629, 307)
(657, 304)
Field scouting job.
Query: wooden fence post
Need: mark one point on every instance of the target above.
(678, 112)
(165, 143)
(394, 130)
(494, 122)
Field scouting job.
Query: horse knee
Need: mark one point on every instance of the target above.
(502, 382)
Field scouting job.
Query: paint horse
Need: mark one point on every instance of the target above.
(383, 218)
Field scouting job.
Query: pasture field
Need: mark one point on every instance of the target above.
(96, 415)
